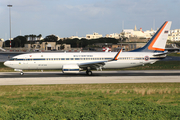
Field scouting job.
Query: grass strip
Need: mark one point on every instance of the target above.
(96, 101)
(174, 54)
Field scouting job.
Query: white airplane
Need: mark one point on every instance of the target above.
(74, 62)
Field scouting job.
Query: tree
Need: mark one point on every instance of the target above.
(18, 41)
(74, 42)
(46, 45)
(77, 43)
(84, 42)
(50, 38)
(23, 40)
(62, 46)
(7, 43)
(39, 36)
(26, 36)
(178, 43)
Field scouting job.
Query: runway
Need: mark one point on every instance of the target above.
(42, 78)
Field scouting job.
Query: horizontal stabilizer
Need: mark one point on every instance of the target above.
(159, 54)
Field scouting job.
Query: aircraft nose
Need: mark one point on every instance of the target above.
(6, 63)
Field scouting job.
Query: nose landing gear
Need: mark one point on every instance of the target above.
(19, 70)
(21, 73)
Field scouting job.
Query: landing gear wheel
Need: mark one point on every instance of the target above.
(21, 73)
(89, 72)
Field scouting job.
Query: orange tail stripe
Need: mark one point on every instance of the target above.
(152, 43)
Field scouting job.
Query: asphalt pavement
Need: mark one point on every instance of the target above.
(136, 76)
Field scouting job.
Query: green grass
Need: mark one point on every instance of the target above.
(97, 101)
(174, 54)
(159, 65)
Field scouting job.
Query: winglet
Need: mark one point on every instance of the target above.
(117, 55)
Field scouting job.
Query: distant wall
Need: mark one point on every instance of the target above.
(1, 43)
(135, 39)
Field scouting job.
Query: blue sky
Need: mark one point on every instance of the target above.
(66, 18)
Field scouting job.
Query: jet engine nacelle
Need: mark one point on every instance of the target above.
(70, 69)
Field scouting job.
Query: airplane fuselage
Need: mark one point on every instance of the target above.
(57, 60)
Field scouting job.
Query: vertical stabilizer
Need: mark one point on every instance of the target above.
(158, 41)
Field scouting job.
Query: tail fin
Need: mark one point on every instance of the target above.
(158, 41)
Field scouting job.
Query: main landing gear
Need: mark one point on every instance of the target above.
(89, 72)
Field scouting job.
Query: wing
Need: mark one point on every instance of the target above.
(98, 64)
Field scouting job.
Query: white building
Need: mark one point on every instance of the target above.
(174, 35)
(138, 33)
(113, 35)
(1, 39)
(149, 33)
(93, 36)
(128, 32)
(73, 37)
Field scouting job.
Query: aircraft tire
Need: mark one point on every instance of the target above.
(89, 72)
(21, 73)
